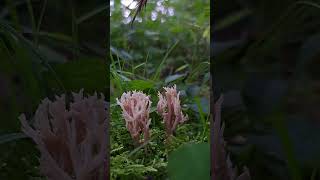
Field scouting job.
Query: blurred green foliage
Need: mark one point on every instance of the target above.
(193, 158)
(46, 48)
(264, 58)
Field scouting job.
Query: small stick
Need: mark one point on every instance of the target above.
(141, 4)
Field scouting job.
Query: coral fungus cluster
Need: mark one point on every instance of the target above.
(170, 109)
(136, 108)
(72, 142)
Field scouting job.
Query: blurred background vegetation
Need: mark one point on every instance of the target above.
(161, 25)
(46, 48)
(265, 60)
(168, 43)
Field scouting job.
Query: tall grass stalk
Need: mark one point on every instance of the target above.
(13, 14)
(157, 74)
(32, 18)
(43, 9)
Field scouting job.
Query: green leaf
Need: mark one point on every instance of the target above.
(11, 137)
(182, 67)
(140, 84)
(232, 19)
(92, 13)
(174, 77)
(90, 74)
(192, 161)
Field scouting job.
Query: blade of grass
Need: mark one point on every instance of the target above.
(92, 13)
(117, 149)
(138, 66)
(13, 13)
(282, 130)
(43, 9)
(145, 65)
(231, 19)
(74, 30)
(117, 81)
(157, 74)
(182, 67)
(112, 65)
(56, 36)
(31, 14)
(198, 70)
(140, 147)
(202, 117)
(32, 48)
(6, 50)
(114, 76)
(314, 174)
(11, 137)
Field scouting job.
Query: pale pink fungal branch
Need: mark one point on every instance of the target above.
(170, 109)
(222, 165)
(135, 110)
(72, 143)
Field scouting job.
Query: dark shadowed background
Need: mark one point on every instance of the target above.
(46, 48)
(265, 58)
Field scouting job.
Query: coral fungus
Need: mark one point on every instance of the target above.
(135, 110)
(170, 109)
(72, 142)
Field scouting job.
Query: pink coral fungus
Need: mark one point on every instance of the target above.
(170, 109)
(73, 143)
(135, 110)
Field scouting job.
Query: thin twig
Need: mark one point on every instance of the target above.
(141, 4)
